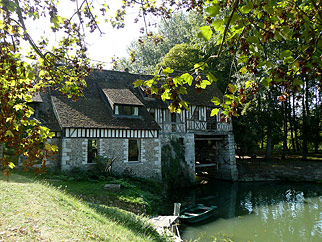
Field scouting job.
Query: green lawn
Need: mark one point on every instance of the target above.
(139, 196)
(35, 211)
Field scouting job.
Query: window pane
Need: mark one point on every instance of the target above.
(196, 114)
(173, 117)
(133, 150)
(127, 110)
(91, 150)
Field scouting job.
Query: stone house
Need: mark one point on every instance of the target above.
(121, 122)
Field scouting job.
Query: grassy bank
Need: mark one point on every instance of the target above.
(36, 211)
(137, 195)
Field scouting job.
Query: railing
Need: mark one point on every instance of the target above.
(224, 126)
(194, 125)
(197, 125)
(173, 127)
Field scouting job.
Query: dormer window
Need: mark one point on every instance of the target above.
(126, 110)
(123, 102)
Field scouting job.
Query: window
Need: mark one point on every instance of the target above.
(126, 110)
(173, 117)
(195, 115)
(173, 122)
(91, 150)
(134, 150)
(152, 112)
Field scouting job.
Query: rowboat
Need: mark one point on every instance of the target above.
(196, 213)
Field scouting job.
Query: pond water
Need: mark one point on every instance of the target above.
(257, 212)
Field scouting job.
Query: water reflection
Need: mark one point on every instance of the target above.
(261, 212)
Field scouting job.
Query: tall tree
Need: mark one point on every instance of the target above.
(149, 50)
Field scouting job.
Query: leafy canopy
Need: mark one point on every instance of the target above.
(20, 80)
(244, 29)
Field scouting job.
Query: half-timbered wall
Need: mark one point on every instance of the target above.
(109, 133)
(196, 119)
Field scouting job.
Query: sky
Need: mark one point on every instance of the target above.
(114, 42)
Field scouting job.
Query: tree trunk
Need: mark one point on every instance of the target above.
(284, 105)
(291, 124)
(295, 125)
(305, 121)
(268, 155)
(317, 135)
(262, 145)
(317, 124)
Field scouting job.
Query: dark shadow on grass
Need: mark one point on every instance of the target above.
(18, 176)
(138, 224)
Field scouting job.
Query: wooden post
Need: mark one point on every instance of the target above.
(176, 211)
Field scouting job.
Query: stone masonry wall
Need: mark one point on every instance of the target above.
(225, 157)
(189, 144)
(74, 154)
(189, 153)
(149, 164)
(53, 161)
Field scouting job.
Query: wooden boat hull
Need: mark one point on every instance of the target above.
(197, 213)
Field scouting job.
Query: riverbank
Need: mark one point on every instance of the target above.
(33, 210)
(291, 169)
(136, 195)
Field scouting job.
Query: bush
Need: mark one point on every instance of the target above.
(97, 172)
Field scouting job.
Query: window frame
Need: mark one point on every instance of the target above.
(138, 148)
(94, 151)
(126, 110)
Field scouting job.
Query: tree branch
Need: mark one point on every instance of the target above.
(235, 7)
(93, 18)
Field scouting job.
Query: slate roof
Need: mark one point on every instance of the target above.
(202, 97)
(104, 88)
(93, 110)
(121, 96)
(46, 113)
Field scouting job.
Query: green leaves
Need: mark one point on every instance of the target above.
(138, 83)
(205, 32)
(243, 70)
(204, 84)
(201, 66)
(213, 10)
(11, 165)
(252, 40)
(56, 20)
(187, 78)
(2, 25)
(285, 53)
(214, 112)
(167, 71)
(149, 83)
(248, 84)
(216, 100)
(266, 81)
(9, 133)
(232, 88)
(165, 96)
(247, 8)
(219, 25)
(211, 77)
